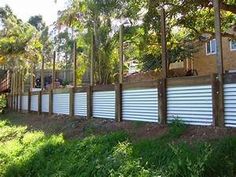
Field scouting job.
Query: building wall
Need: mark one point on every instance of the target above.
(206, 64)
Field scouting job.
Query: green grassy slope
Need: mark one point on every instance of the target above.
(32, 153)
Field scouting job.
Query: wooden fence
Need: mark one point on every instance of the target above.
(194, 100)
(5, 83)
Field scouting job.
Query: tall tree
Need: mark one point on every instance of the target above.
(19, 42)
(37, 22)
(45, 36)
(187, 21)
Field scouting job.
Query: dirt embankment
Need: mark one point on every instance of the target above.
(79, 128)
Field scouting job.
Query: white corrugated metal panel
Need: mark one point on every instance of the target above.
(140, 105)
(192, 105)
(80, 104)
(45, 103)
(34, 103)
(25, 103)
(61, 103)
(230, 105)
(104, 104)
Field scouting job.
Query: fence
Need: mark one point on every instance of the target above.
(190, 99)
(5, 83)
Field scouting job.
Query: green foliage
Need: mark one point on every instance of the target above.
(3, 103)
(19, 42)
(44, 37)
(126, 164)
(37, 22)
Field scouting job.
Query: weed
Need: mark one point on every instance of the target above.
(176, 128)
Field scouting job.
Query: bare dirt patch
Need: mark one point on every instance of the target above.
(72, 128)
(203, 133)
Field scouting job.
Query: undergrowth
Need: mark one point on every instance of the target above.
(32, 153)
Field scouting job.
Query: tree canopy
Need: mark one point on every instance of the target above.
(97, 22)
(19, 41)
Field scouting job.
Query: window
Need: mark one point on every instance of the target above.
(233, 45)
(211, 47)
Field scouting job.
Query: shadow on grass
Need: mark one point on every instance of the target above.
(49, 125)
(108, 155)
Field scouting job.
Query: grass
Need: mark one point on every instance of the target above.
(32, 153)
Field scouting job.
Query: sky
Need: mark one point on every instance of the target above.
(24, 9)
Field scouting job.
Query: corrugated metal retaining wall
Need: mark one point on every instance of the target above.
(34, 103)
(45, 103)
(80, 104)
(230, 105)
(104, 104)
(140, 105)
(61, 103)
(192, 105)
(25, 103)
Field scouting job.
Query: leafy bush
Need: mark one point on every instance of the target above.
(3, 103)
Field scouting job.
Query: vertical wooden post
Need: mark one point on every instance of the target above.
(215, 99)
(53, 69)
(29, 101)
(220, 67)
(40, 102)
(12, 91)
(121, 54)
(17, 90)
(21, 77)
(162, 98)
(90, 87)
(89, 102)
(219, 52)
(32, 80)
(42, 88)
(75, 64)
(23, 81)
(162, 101)
(163, 43)
(118, 90)
(72, 101)
(92, 62)
(50, 102)
(42, 74)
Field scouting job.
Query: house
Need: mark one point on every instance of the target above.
(204, 61)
